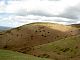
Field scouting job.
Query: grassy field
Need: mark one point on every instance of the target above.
(10, 55)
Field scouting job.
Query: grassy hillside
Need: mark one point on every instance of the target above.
(27, 36)
(65, 49)
(43, 40)
(10, 55)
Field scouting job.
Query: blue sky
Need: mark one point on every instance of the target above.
(15, 13)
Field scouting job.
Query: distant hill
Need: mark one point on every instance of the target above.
(2, 28)
(76, 25)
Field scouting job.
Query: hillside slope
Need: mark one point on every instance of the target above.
(10, 55)
(65, 49)
(23, 38)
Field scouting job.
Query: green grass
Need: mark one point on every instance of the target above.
(69, 47)
(10, 55)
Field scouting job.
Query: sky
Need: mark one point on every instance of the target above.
(14, 13)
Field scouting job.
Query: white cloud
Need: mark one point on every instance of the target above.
(72, 12)
(27, 11)
(15, 21)
(51, 7)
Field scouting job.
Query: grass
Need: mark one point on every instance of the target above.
(10, 55)
(69, 47)
(42, 34)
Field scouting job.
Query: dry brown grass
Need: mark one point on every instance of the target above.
(23, 38)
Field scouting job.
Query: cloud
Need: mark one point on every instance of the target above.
(71, 12)
(53, 0)
(15, 21)
(34, 12)
(20, 12)
(50, 7)
(40, 13)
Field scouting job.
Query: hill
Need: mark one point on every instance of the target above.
(25, 37)
(76, 25)
(10, 55)
(64, 49)
(2, 28)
